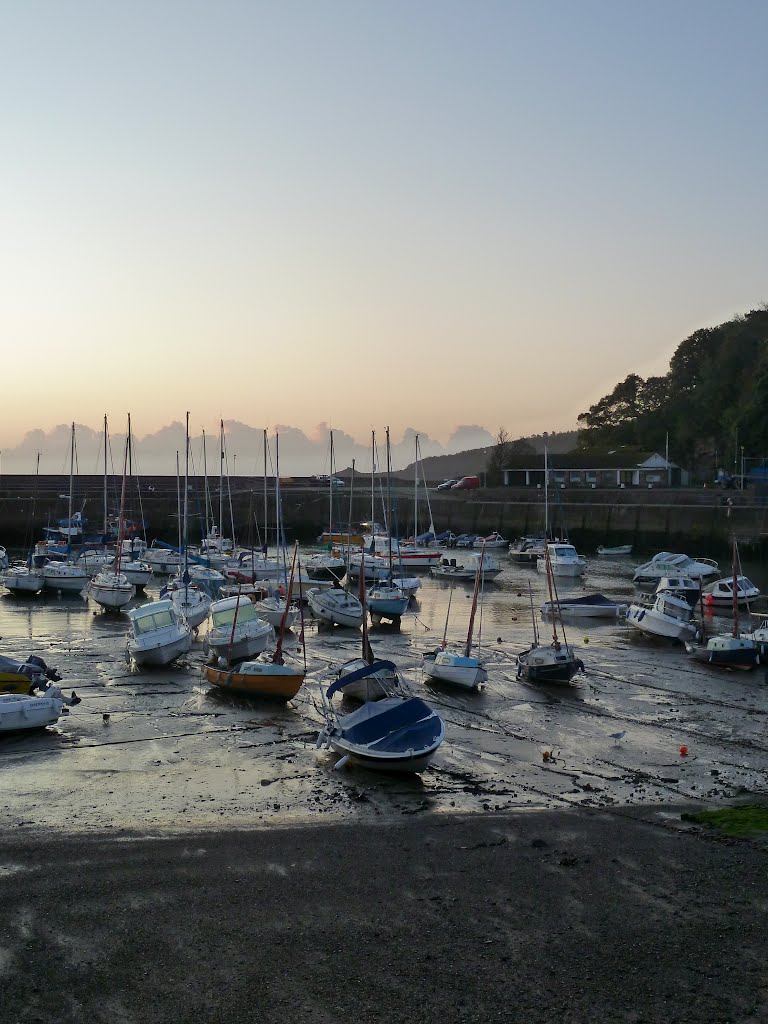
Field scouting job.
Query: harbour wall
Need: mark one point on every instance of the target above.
(697, 520)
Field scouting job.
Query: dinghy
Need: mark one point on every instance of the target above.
(622, 549)
(593, 606)
(391, 735)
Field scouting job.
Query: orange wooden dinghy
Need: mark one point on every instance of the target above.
(258, 679)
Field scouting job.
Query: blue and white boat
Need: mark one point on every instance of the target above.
(386, 601)
(391, 735)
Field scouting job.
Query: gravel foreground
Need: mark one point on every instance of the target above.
(568, 916)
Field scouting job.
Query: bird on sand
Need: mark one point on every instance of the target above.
(617, 737)
(105, 718)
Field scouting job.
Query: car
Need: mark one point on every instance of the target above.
(325, 480)
(445, 485)
(467, 483)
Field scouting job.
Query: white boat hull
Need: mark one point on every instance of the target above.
(336, 610)
(161, 652)
(449, 670)
(653, 623)
(23, 582)
(73, 582)
(21, 711)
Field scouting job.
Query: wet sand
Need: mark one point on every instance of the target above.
(575, 916)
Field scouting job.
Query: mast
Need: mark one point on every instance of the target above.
(447, 615)
(178, 497)
(735, 596)
(389, 504)
(416, 491)
(265, 545)
(373, 476)
(206, 492)
(221, 483)
(121, 524)
(478, 574)
(71, 484)
(330, 495)
(105, 478)
(546, 496)
(186, 510)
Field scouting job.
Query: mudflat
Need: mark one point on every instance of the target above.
(570, 915)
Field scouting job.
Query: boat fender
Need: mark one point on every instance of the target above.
(341, 763)
(320, 739)
(580, 665)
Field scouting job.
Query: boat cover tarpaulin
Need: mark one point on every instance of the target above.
(360, 673)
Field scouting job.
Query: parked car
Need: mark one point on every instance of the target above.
(467, 483)
(446, 484)
(325, 480)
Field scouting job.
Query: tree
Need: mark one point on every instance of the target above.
(494, 468)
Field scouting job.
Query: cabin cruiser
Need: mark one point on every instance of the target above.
(666, 563)
(680, 586)
(158, 634)
(664, 615)
(464, 567)
(237, 631)
(720, 593)
(563, 559)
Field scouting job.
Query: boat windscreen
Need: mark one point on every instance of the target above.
(226, 616)
(157, 620)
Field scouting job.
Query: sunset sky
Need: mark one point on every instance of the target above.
(427, 213)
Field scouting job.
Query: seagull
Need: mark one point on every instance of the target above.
(105, 718)
(617, 737)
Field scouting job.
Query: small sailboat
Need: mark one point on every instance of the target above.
(337, 607)
(110, 588)
(460, 669)
(729, 650)
(556, 662)
(366, 678)
(385, 600)
(23, 577)
(393, 735)
(272, 678)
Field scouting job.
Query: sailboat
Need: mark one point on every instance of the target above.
(276, 608)
(111, 588)
(67, 577)
(136, 571)
(463, 670)
(190, 600)
(366, 677)
(395, 734)
(385, 600)
(729, 650)
(555, 663)
(271, 678)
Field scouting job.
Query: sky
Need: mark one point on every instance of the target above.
(346, 213)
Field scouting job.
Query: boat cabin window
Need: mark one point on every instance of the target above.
(747, 584)
(157, 620)
(564, 552)
(726, 585)
(226, 616)
(674, 611)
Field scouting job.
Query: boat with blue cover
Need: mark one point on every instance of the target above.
(393, 735)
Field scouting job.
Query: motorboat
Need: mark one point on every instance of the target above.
(409, 555)
(336, 607)
(465, 567)
(465, 540)
(563, 559)
(592, 606)
(680, 586)
(22, 579)
(258, 679)
(720, 593)
(65, 577)
(393, 734)
(26, 676)
(527, 549)
(158, 634)
(237, 631)
(666, 563)
(29, 711)
(664, 615)
(112, 590)
(364, 680)
(495, 541)
(621, 549)
(759, 633)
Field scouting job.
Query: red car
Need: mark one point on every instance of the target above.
(467, 483)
